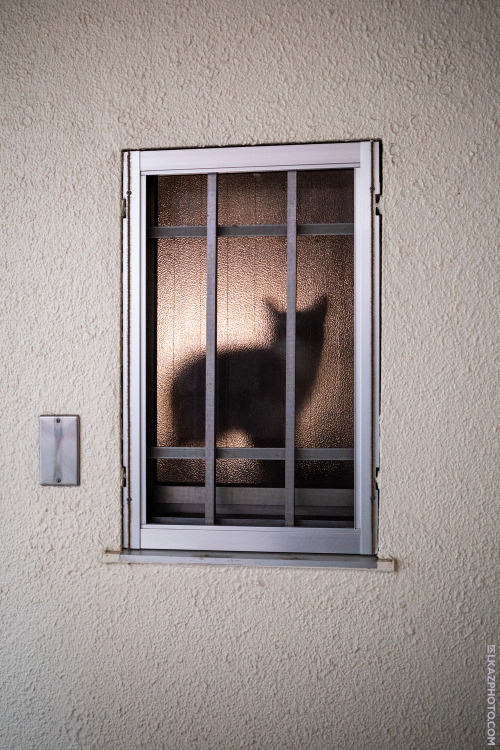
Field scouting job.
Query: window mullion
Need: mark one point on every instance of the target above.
(211, 347)
(291, 304)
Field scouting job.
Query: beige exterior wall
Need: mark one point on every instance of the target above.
(199, 657)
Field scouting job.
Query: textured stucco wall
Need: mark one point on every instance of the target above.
(185, 657)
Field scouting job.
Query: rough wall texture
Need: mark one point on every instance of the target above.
(187, 657)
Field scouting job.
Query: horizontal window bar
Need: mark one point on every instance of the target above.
(264, 522)
(180, 520)
(315, 511)
(255, 495)
(324, 454)
(159, 232)
(341, 229)
(258, 454)
(251, 230)
(176, 452)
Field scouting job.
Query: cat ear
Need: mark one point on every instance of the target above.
(272, 311)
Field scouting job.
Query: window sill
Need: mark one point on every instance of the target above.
(259, 559)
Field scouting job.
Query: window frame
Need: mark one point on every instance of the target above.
(363, 157)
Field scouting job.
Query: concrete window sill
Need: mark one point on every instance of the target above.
(342, 562)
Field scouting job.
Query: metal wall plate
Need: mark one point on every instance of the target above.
(60, 450)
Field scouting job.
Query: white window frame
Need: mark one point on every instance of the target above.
(363, 157)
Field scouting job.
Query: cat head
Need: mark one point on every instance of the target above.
(309, 323)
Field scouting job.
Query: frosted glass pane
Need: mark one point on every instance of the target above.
(251, 295)
(181, 325)
(254, 198)
(173, 471)
(325, 474)
(250, 489)
(325, 342)
(324, 493)
(178, 494)
(182, 200)
(247, 472)
(325, 196)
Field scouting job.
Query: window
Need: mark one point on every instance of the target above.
(250, 395)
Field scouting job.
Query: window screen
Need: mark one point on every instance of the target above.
(253, 402)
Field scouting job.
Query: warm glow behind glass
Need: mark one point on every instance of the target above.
(251, 328)
(325, 196)
(182, 200)
(252, 198)
(325, 266)
(181, 326)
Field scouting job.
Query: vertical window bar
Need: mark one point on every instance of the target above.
(211, 348)
(291, 303)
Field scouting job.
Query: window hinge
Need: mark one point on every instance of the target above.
(124, 208)
(124, 476)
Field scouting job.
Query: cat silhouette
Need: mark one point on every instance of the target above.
(250, 383)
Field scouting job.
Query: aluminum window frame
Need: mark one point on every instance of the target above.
(363, 157)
